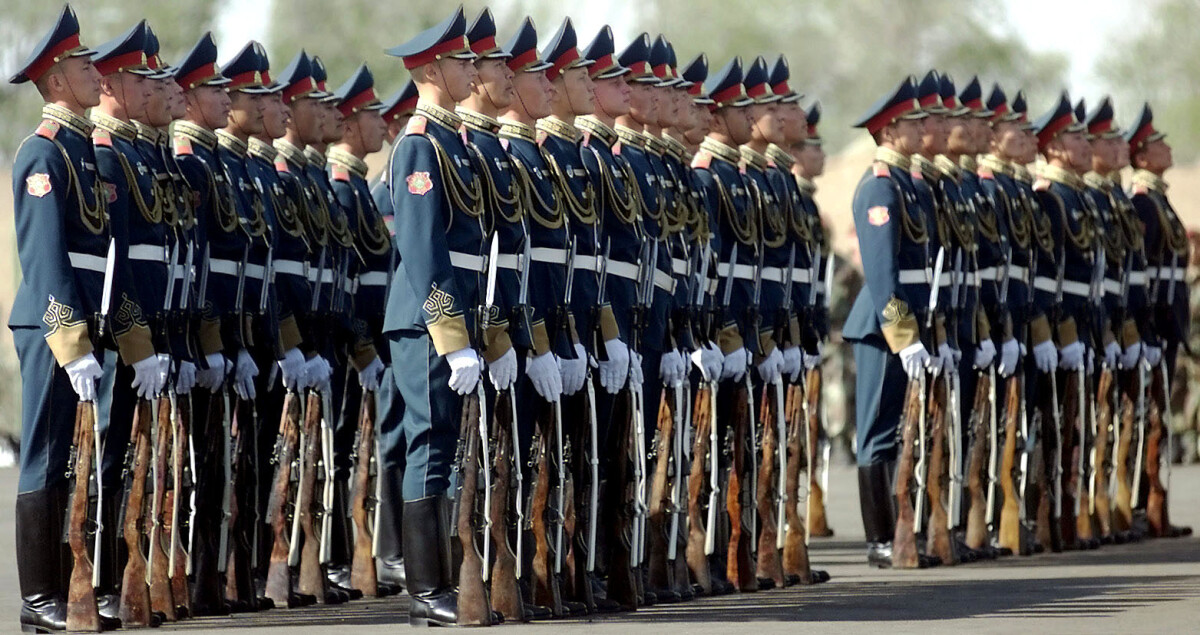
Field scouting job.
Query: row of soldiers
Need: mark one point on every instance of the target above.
(1018, 332)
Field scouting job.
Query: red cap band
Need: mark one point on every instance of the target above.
(299, 89)
(121, 62)
(1047, 134)
(449, 46)
(878, 122)
(51, 57)
(196, 77)
(352, 105)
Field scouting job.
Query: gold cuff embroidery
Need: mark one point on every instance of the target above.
(1067, 332)
(289, 334)
(608, 324)
(210, 336)
(498, 343)
(729, 339)
(541, 339)
(1129, 334)
(364, 354)
(1039, 330)
(449, 334)
(899, 325)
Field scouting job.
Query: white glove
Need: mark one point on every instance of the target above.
(1153, 355)
(636, 379)
(368, 377)
(186, 380)
(734, 364)
(615, 370)
(1112, 352)
(1130, 356)
(672, 368)
(147, 382)
(1010, 356)
(1071, 356)
(793, 362)
(769, 368)
(212, 377)
(709, 359)
(317, 373)
(465, 368)
(243, 376)
(543, 373)
(573, 371)
(164, 371)
(985, 354)
(503, 372)
(83, 373)
(293, 367)
(812, 360)
(947, 357)
(914, 358)
(1045, 355)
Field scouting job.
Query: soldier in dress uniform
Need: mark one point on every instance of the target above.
(431, 316)
(58, 320)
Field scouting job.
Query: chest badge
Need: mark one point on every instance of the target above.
(38, 184)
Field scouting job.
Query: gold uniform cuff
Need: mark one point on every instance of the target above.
(364, 354)
(541, 339)
(766, 343)
(899, 325)
(794, 330)
(983, 326)
(135, 344)
(498, 343)
(608, 324)
(1068, 333)
(571, 329)
(729, 339)
(289, 334)
(210, 336)
(1129, 334)
(69, 343)
(1039, 330)
(449, 334)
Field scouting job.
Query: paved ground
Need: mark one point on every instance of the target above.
(1149, 587)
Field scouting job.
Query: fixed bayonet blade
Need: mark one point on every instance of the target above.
(110, 265)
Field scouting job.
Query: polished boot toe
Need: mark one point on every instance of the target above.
(879, 555)
(43, 615)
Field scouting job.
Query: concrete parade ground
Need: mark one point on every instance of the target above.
(1147, 587)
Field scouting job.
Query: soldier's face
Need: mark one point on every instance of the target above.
(495, 81)
(1104, 155)
(131, 91)
(275, 116)
(308, 118)
(933, 139)
(335, 124)
(1009, 141)
(1155, 157)
(812, 161)
(959, 139)
(158, 107)
(737, 123)
(371, 129)
(643, 104)
(175, 98)
(907, 135)
(1078, 151)
(702, 124)
(80, 81)
(576, 87)
(766, 125)
(209, 106)
(1122, 154)
(613, 96)
(534, 92)
(794, 121)
(246, 113)
(668, 107)
(456, 77)
(396, 127)
(685, 113)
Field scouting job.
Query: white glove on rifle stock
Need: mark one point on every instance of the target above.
(84, 373)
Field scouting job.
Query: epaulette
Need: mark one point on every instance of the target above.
(416, 125)
(101, 137)
(882, 170)
(47, 129)
(541, 137)
(1041, 185)
(281, 164)
(616, 149)
(1140, 188)
(183, 145)
(340, 172)
(917, 174)
(703, 160)
(986, 173)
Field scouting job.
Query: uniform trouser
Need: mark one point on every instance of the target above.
(431, 417)
(346, 399)
(116, 401)
(530, 406)
(651, 395)
(47, 414)
(389, 434)
(880, 387)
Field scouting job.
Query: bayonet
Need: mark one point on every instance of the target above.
(110, 264)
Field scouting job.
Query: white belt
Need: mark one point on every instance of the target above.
(467, 261)
(550, 255)
(230, 268)
(1164, 273)
(88, 261)
(1017, 272)
(150, 253)
(664, 281)
(503, 261)
(291, 267)
(801, 276)
(326, 276)
(585, 263)
(743, 272)
(1137, 278)
(988, 273)
(349, 286)
(913, 276)
(679, 266)
(774, 274)
(1082, 289)
(1112, 286)
(373, 279)
(622, 270)
(1042, 283)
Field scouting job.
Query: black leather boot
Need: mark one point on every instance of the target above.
(874, 497)
(389, 561)
(433, 602)
(43, 590)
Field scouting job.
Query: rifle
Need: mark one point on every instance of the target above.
(505, 595)
(769, 562)
(802, 418)
(1121, 492)
(546, 591)
(678, 531)
(135, 594)
(983, 425)
(362, 568)
(1156, 496)
(922, 471)
(473, 606)
(311, 580)
(739, 569)
(702, 447)
(82, 614)
(159, 575)
(235, 541)
(940, 542)
(181, 558)
(279, 582)
(660, 574)
(1101, 502)
(1072, 412)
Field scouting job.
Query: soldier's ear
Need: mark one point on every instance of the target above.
(107, 84)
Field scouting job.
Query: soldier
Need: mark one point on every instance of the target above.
(887, 319)
(430, 319)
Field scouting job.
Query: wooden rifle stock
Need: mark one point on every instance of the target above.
(279, 579)
(82, 614)
(795, 548)
(660, 574)
(938, 531)
(818, 524)
(904, 542)
(505, 594)
(207, 590)
(546, 591)
(1009, 531)
(1084, 527)
(1123, 502)
(976, 536)
(160, 575)
(739, 569)
(312, 579)
(239, 587)
(770, 563)
(136, 603)
(619, 500)
(697, 491)
(362, 567)
(1156, 497)
(473, 606)
(180, 442)
(1103, 448)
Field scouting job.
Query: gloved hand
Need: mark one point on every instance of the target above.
(734, 364)
(84, 373)
(186, 379)
(914, 358)
(672, 369)
(947, 357)
(1071, 356)
(1112, 352)
(793, 362)
(1153, 355)
(812, 360)
(709, 359)
(1129, 358)
(164, 371)
(465, 368)
(147, 380)
(369, 377)
(573, 371)
(615, 370)
(985, 354)
(317, 373)
(503, 372)
(543, 373)
(292, 366)
(1010, 356)
(212, 377)
(1045, 355)
(636, 379)
(770, 367)
(243, 376)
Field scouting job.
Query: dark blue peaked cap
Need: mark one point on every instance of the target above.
(725, 86)
(1101, 122)
(445, 39)
(949, 96)
(264, 67)
(971, 98)
(199, 66)
(401, 101)
(1081, 112)
(522, 50)
(675, 71)
(162, 70)
(997, 103)
(1142, 131)
(900, 103)
(636, 57)
(1059, 119)
(929, 94)
(244, 71)
(757, 82)
(358, 93)
(780, 77)
(814, 118)
(482, 36)
(297, 80)
(126, 52)
(660, 62)
(602, 54)
(563, 51)
(60, 43)
(694, 73)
